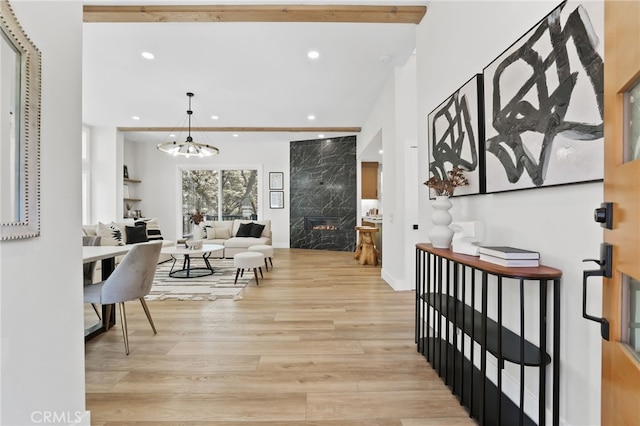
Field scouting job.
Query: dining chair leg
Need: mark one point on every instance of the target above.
(237, 273)
(125, 331)
(107, 316)
(271, 262)
(266, 266)
(146, 311)
(261, 272)
(255, 272)
(95, 308)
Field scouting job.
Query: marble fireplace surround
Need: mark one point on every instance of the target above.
(323, 179)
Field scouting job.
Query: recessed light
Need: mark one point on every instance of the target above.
(214, 117)
(313, 54)
(380, 152)
(148, 55)
(135, 117)
(235, 135)
(172, 135)
(321, 136)
(311, 117)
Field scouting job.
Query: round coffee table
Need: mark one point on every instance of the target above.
(187, 271)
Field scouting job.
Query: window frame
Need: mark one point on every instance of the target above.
(219, 168)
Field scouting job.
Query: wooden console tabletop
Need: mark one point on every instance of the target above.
(531, 273)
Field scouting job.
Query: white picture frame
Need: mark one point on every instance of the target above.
(276, 180)
(276, 199)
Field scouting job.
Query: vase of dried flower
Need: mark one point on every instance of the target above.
(441, 235)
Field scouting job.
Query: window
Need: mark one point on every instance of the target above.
(219, 195)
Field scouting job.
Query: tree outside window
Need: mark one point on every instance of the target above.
(236, 192)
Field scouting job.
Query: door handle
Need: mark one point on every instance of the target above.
(605, 270)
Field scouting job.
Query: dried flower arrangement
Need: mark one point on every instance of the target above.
(197, 216)
(455, 178)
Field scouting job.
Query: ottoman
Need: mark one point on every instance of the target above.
(248, 260)
(267, 251)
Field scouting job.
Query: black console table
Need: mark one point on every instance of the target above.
(452, 295)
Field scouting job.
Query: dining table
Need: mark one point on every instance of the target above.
(107, 255)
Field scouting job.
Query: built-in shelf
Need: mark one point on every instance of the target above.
(127, 197)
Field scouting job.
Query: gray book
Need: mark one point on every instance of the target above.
(505, 252)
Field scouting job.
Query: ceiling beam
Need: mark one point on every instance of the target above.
(244, 129)
(256, 13)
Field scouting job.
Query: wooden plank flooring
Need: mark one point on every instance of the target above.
(321, 341)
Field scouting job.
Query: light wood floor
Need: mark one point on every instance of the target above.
(322, 341)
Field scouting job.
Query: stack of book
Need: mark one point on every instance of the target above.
(509, 256)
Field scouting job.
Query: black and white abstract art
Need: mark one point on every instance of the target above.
(455, 136)
(544, 103)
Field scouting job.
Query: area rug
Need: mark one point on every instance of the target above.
(210, 287)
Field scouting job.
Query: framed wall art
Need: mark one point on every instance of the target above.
(276, 180)
(456, 135)
(276, 199)
(544, 103)
(21, 69)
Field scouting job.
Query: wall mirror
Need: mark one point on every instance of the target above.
(20, 63)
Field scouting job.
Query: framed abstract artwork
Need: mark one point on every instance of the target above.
(456, 135)
(544, 103)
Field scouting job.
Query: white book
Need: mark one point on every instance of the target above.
(521, 263)
(506, 252)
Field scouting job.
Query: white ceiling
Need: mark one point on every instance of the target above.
(248, 74)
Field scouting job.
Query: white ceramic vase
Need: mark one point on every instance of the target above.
(441, 235)
(196, 232)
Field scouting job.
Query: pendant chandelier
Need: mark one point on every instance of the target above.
(188, 148)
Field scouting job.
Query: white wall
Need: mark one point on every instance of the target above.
(555, 221)
(160, 190)
(106, 174)
(393, 118)
(41, 312)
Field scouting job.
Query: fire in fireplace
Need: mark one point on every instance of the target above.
(321, 223)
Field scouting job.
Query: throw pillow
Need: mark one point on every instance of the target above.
(244, 230)
(208, 232)
(256, 230)
(110, 234)
(153, 229)
(136, 234)
(223, 233)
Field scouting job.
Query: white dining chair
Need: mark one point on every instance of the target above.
(132, 279)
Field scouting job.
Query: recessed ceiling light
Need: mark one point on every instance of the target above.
(321, 136)
(311, 117)
(313, 54)
(135, 117)
(148, 55)
(380, 152)
(214, 117)
(172, 135)
(235, 135)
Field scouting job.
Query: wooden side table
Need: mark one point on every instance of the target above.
(366, 249)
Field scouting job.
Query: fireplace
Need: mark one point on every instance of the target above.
(321, 223)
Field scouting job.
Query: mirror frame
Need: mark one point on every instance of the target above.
(28, 224)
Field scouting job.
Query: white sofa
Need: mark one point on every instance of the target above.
(226, 233)
(115, 233)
